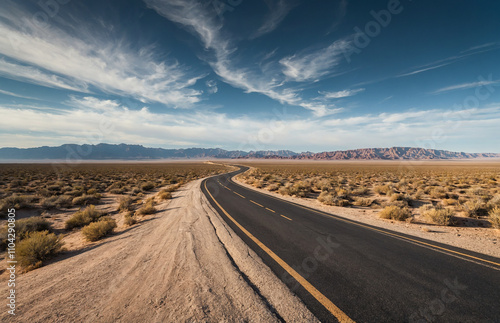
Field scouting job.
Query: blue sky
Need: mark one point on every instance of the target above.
(251, 75)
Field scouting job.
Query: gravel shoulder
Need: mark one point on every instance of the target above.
(477, 239)
(183, 264)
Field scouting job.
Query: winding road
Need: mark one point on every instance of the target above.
(347, 271)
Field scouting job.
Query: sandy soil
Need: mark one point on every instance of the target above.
(183, 264)
(478, 239)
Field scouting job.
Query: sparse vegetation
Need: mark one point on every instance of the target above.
(125, 204)
(465, 190)
(494, 218)
(26, 226)
(147, 208)
(36, 248)
(395, 213)
(439, 215)
(96, 230)
(83, 217)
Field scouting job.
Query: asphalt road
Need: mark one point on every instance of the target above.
(348, 271)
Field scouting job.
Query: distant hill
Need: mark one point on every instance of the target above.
(132, 152)
(394, 153)
(138, 152)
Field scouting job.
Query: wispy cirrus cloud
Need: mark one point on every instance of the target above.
(204, 23)
(279, 9)
(340, 94)
(312, 65)
(465, 86)
(54, 58)
(452, 59)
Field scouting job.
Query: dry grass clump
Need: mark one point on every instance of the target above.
(36, 248)
(363, 201)
(147, 208)
(26, 226)
(164, 195)
(474, 208)
(147, 186)
(494, 217)
(125, 204)
(382, 189)
(16, 201)
(96, 230)
(395, 213)
(438, 215)
(129, 219)
(87, 199)
(83, 217)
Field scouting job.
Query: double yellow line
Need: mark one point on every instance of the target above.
(322, 299)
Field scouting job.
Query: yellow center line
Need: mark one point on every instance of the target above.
(239, 194)
(256, 203)
(332, 308)
(286, 217)
(382, 231)
(270, 210)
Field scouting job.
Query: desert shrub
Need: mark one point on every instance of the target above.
(25, 226)
(439, 215)
(164, 195)
(363, 201)
(396, 197)
(16, 201)
(494, 217)
(342, 193)
(83, 217)
(129, 219)
(273, 187)
(48, 202)
(36, 248)
(172, 188)
(343, 203)
(449, 202)
(473, 208)
(360, 191)
(86, 199)
(96, 230)
(147, 208)
(147, 186)
(395, 212)
(494, 202)
(382, 189)
(92, 191)
(125, 204)
(327, 198)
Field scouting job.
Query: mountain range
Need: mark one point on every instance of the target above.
(138, 152)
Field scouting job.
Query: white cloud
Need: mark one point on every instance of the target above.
(278, 11)
(93, 121)
(311, 66)
(340, 94)
(465, 86)
(212, 86)
(205, 24)
(52, 57)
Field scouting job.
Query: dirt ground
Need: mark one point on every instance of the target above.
(477, 239)
(182, 264)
